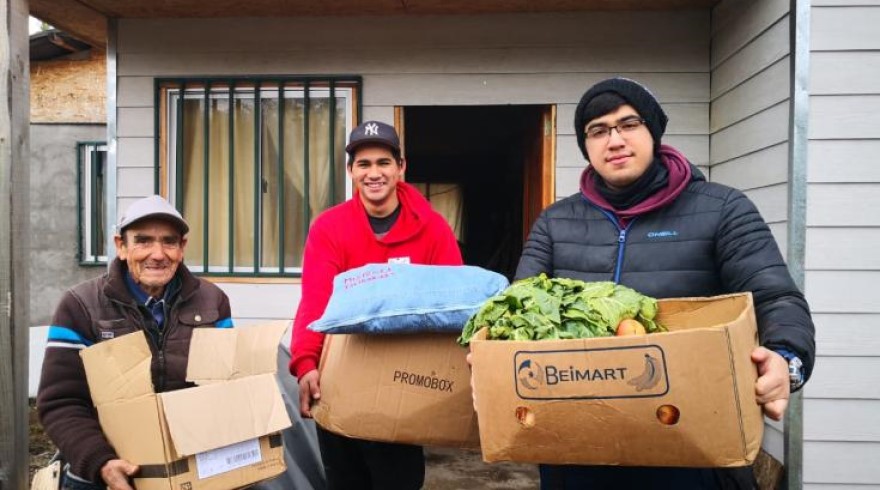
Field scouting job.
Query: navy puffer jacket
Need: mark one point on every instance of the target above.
(710, 240)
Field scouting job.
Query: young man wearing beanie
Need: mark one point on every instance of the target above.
(648, 219)
(146, 289)
(385, 221)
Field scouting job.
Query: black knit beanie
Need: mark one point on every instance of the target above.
(636, 95)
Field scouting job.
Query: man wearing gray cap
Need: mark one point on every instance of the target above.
(145, 289)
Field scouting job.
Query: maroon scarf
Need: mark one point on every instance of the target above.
(679, 177)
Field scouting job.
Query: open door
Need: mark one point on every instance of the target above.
(489, 170)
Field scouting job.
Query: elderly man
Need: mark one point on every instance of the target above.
(648, 219)
(147, 290)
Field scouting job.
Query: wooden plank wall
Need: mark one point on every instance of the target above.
(70, 91)
(842, 405)
(423, 60)
(749, 117)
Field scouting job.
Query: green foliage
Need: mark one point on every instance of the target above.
(538, 308)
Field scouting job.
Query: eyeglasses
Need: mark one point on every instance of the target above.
(602, 132)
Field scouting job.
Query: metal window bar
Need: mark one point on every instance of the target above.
(101, 204)
(332, 146)
(280, 183)
(306, 176)
(206, 165)
(93, 202)
(258, 178)
(177, 187)
(178, 177)
(231, 210)
(83, 203)
(81, 249)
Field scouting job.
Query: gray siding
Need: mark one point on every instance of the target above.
(423, 60)
(54, 265)
(749, 117)
(842, 405)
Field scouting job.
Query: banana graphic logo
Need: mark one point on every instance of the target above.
(649, 377)
(530, 374)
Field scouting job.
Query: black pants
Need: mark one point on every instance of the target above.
(618, 477)
(355, 464)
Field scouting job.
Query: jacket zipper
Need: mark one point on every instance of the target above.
(621, 241)
(162, 333)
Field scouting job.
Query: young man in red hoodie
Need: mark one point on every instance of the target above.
(385, 221)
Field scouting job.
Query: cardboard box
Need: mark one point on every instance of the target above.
(409, 388)
(220, 435)
(681, 398)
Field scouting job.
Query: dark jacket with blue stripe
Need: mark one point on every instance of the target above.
(710, 240)
(101, 309)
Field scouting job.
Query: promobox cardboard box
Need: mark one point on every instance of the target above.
(406, 388)
(681, 398)
(220, 435)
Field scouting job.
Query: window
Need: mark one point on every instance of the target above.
(91, 166)
(250, 163)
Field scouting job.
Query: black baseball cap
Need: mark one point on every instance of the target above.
(373, 132)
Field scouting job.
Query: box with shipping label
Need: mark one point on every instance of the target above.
(685, 397)
(407, 388)
(222, 434)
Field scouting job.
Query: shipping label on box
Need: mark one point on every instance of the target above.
(681, 398)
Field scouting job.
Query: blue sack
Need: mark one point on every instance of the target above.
(407, 298)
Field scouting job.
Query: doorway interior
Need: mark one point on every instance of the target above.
(488, 169)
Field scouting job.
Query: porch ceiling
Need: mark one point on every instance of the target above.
(86, 19)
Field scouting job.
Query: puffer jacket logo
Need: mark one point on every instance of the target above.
(662, 234)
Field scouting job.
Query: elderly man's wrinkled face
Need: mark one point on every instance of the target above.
(153, 250)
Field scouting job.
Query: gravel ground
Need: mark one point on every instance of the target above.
(453, 469)
(41, 448)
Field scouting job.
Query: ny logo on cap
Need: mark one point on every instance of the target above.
(371, 129)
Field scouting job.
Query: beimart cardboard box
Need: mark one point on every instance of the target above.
(680, 398)
(219, 435)
(407, 388)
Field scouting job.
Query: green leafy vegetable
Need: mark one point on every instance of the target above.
(539, 307)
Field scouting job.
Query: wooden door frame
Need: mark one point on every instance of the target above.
(538, 195)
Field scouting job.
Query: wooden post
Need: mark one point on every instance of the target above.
(14, 243)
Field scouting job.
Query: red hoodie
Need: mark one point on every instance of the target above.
(341, 239)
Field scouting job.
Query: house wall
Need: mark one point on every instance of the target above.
(842, 402)
(749, 118)
(421, 60)
(54, 263)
